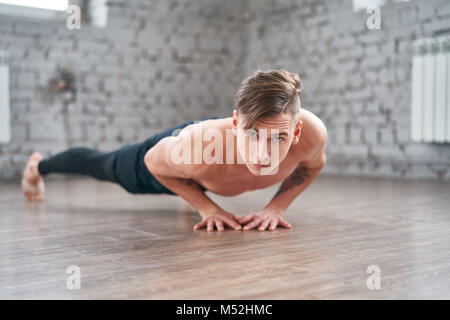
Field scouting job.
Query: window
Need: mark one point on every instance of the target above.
(59, 5)
(94, 12)
(35, 10)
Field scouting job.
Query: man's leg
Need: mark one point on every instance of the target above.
(81, 160)
(78, 160)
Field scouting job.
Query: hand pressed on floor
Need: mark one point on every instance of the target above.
(218, 220)
(265, 219)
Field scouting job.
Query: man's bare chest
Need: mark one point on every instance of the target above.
(231, 180)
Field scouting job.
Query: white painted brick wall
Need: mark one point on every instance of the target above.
(364, 74)
(174, 61)
(120, 71)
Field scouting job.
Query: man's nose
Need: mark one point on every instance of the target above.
(262, 154)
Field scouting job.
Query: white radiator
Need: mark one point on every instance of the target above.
(5, 124)
(430, 91)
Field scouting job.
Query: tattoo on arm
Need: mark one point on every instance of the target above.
(296, 178)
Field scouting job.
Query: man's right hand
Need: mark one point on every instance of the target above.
(219, 220)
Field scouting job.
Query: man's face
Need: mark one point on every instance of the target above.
(265, 145)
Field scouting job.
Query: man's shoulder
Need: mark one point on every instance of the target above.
(216, 123)
(212, 124)
(187, 149)
(313, 122)
(314, 133)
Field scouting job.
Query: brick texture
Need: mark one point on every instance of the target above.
(358, 81)
(159, 63)
(156, 64)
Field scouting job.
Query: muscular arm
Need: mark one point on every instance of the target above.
(293, 186)
(271, 216)
(303, 175)
(179, 177)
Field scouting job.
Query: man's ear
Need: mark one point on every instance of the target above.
(235, 122)
(297, 132)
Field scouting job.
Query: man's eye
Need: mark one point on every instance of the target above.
(251, 133)
(278, 139)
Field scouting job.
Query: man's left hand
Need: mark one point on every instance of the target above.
(265, 219)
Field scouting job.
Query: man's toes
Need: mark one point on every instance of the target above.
(29, 196)
(37, 156)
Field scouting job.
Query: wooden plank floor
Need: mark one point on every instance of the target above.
(143, 247)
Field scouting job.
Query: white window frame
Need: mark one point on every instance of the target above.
(32, 13)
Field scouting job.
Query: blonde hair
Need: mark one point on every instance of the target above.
(267, 94)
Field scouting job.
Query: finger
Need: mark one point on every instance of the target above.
(237, 219)
(200, 225)
(210, 225)
(284, 223)
(219, 225)
(29, 196)
(246, 219)
(264, 225)
(233, 224)
(253, 224)
(36, 196)
(273, 225)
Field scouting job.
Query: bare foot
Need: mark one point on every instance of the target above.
(32, 182)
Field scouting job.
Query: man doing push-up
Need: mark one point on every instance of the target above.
(268, 139)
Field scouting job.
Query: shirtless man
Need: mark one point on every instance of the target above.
(269, 139)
